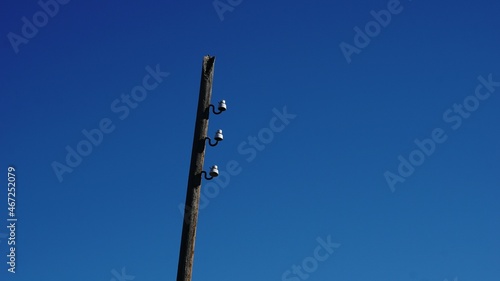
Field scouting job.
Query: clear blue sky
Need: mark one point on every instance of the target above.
(388, 149)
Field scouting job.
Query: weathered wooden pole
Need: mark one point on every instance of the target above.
(186, 255)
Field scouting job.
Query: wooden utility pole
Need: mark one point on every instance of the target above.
(186, 255)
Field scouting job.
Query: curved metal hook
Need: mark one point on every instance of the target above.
(213, 110)
(205, 174)
(210, 141)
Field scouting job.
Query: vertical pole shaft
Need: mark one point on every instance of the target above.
(186, 255)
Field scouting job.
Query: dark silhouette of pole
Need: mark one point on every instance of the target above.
(186, 255)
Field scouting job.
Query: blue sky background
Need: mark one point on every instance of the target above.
(323, 175)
